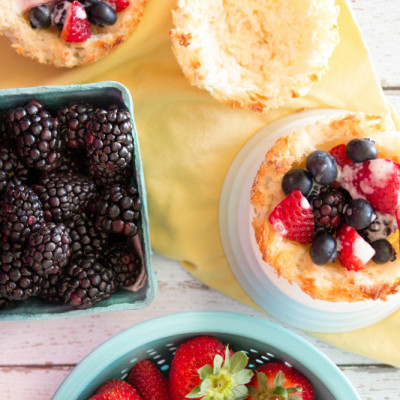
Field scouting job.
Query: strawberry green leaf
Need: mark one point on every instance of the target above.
(278, 381)
(205, 371)
(238, 362)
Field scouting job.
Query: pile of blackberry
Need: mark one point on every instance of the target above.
(69, 206)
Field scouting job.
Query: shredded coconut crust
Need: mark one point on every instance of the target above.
(291, 260)
(256, 54)
(47, 47)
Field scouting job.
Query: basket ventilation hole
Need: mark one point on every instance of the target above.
(259, 361)
(124, 371)
(124, 376)
(156, 356)
(289, 365)
(172, 348)
(270, 354)
(265, 358)
(253, 351)
(149, 351)
(152, 353)
(169, 344)
(164, 367)
(159, 362)
(251, 365)
(133, 360)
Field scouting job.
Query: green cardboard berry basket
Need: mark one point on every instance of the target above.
(99, 94)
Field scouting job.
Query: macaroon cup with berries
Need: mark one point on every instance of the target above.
(326, 200)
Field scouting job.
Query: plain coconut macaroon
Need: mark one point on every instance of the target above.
(47, 47)
(256, 54)
(291, 260)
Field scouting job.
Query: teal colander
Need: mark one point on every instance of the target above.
(157, 339)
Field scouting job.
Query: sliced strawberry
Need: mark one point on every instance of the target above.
(354, 251)
(339, 153)
(76, 27)
(116, 389)
(149, 382)
(293, 218)
(279, 381)
(119, 5)
(377, 181)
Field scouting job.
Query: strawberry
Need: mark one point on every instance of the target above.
(279, 381)
(293, 218)
(116, 389)
(354, 251)
(203, 367)
(148, 381)
(76, 26)
(119, 5)
(339, 154)
(377, 181)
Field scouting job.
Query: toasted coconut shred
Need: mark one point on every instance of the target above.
(254, 52)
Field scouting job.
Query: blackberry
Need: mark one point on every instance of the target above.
(118, 210)
(37, 138)
(48, 249)
(3, 130)
(109, 141)
(125, 263)
(4, 303)
(328, 209)
(21, 212)
(64, 195)
(74, 162)
(73, 119)
(106, 178)
(86, 239)
(50, 288)
(87, 282)
(380, 228)
(11, 168)
(17, 281)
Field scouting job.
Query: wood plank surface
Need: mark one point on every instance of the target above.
(36, 356)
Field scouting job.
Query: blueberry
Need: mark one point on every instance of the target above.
(359, 214)
(297, 179)
(40, 17)
(101, 14)
(323, 249)
(322, 167)
(360, 150)
(384, 251)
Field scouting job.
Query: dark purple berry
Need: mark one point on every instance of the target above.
(359, 214)
(322, 167)
(323, 249)
(384, 251)
(40, 16)
(297, 179)
(101, 14)
(360, 150)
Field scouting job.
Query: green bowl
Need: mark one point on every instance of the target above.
(100, 94)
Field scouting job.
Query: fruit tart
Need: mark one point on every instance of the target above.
(326, 208)
(68, 33)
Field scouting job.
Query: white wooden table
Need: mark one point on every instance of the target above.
(35, 357)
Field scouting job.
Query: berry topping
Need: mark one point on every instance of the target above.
(323, 249)
(297, 179)
(359, 214)
(59, 12)
(40, 16)
(293, 218)
(354, 251)
(339, 154)
(384, 251)
(360, 150)
(76, 27)
(322, 167)
(328, 208)
(378, 181)
(101, 14)
(119, 5)
(380, 228)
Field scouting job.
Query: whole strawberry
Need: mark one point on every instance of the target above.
(149, 382)
(203, 367)
(116, 389)
(279, 381)
(293, 218)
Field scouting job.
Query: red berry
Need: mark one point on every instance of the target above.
(116, 389)
(149, 382)
(293, 218)
(76, 26)
(119, 5)
(339, 153)
(354, 251)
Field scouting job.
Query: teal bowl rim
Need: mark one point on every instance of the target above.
(56, 92)
(219, 322)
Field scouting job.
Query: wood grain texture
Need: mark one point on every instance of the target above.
(36, 356)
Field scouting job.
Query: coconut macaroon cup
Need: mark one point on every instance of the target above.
(254, 54)
(291, 260)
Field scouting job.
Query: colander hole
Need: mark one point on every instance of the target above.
(265, 358)
(152, 353)
(259, 361)
(270, 354)
(169, 344)
(159, 362)
(124, 376)
(156, 357)
(133, 360)
(253, 351)
(172, 348)
(289, 365)
(124, 371)
(149, 351)
(251, 365)
(164, 367)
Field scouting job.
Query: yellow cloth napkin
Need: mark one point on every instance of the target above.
(188, 142)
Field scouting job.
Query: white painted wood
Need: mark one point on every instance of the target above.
(36, 356)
